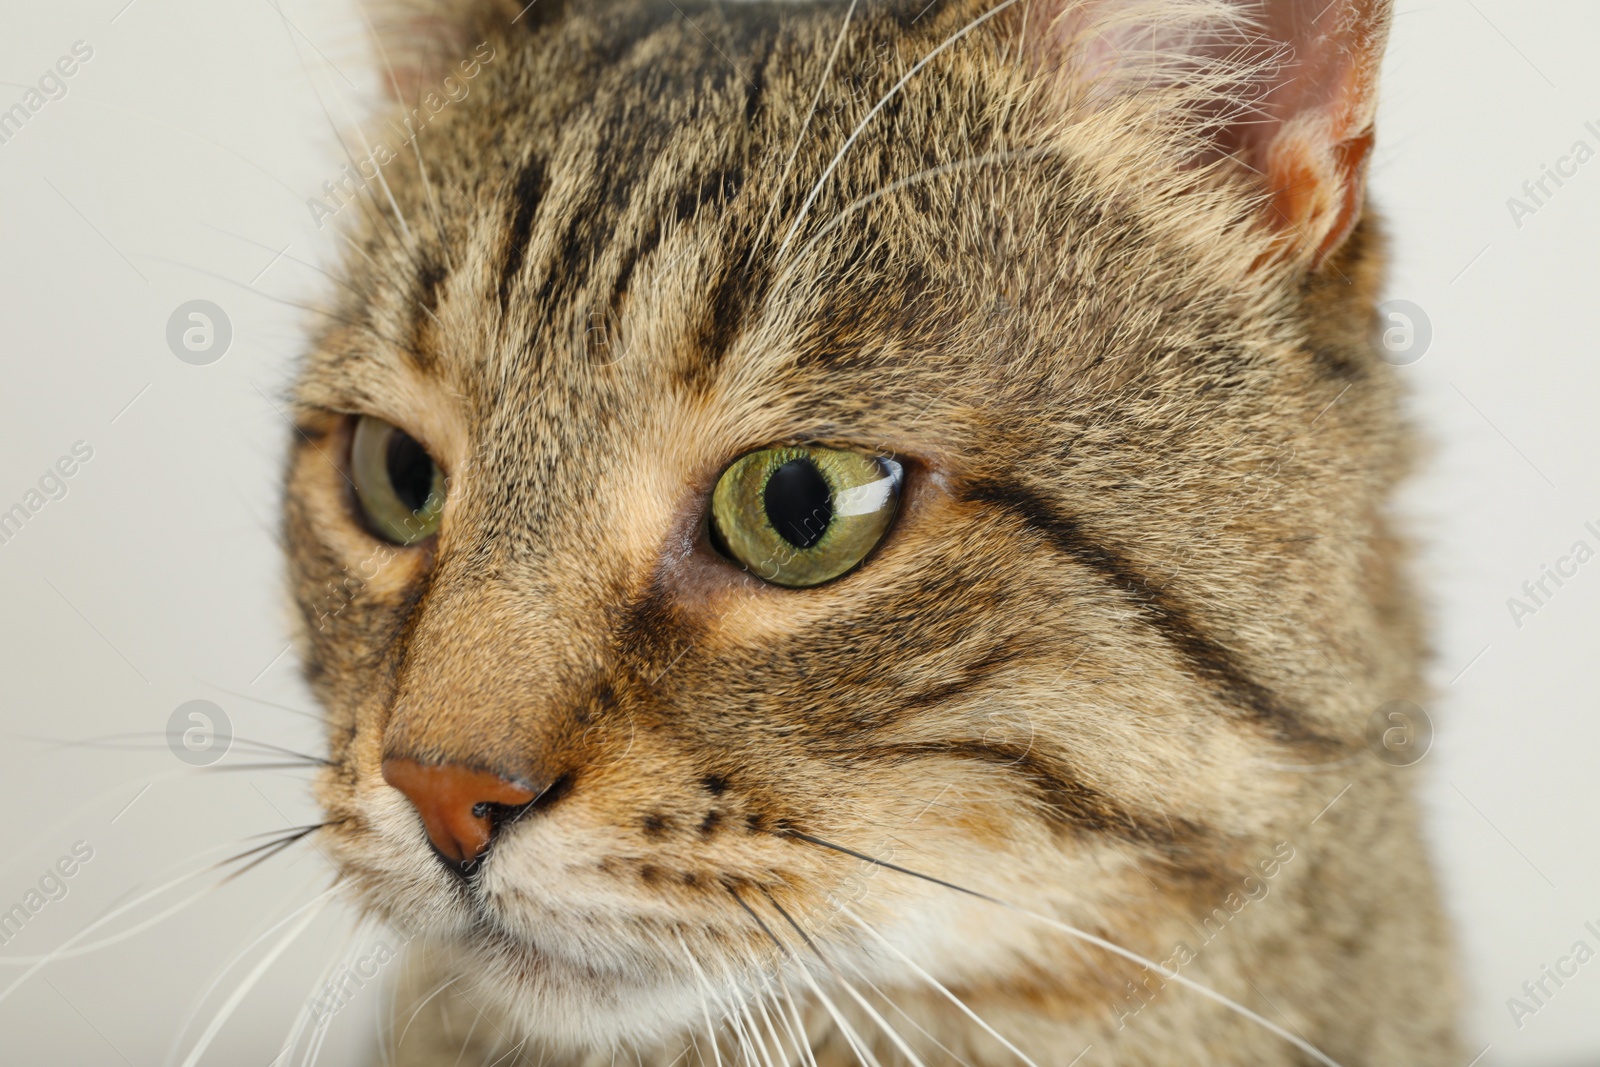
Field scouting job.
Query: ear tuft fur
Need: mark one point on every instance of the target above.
(1287, 89)
(419, 41)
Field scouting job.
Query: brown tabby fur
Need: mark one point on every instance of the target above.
(1122, 641)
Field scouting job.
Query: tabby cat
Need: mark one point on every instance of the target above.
(856, 532)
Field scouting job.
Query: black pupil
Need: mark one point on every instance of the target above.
(410, 470)
(798, 502)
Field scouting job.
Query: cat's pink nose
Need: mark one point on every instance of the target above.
(460, 807)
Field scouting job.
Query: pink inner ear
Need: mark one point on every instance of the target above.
(1313, 148)
(1308, 127)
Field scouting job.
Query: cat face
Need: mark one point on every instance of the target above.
(1120, 445)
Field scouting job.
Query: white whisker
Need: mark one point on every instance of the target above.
(222, 972)
(910, 1021)
(416, 142)
(738, 1013)
(1100, 942)
(862, 1052)
(440, 988)
(879, 106)
(339, 962)
(796, 1036)
(705, 1002)
(772, 1031)
(311, 911)
(796, 1024)
(86, 931)
(368, 203)
(854, 1039)
(822, 83)
(105, 942)
(466, 1042)
(931, 980)
(876, 1016)
(1173, 976)
(756, 1039)
(988, 159)
(512, 1051)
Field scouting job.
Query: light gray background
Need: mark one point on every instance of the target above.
(177, 167)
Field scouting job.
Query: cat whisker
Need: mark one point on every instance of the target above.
(705, 1000)
(1083, 935)
(233, 767)
(816, 99)
(738, 1014)
(883, 101)
(416, 146)
(863, 1053)
(106, 942)
(290, 29)
(319, 1034)
(325, 1026)
(918, 1027)
(512, 1051)
(64, 950)
(988, 159)
(796, 1036)
(798, 1028)
(766, 1019)
(302, 1018)
(960, 1004)
(890, 1032)
(757, 1039)
(334, 278)
(308, 913)
(748, 1037)
(282, 840)
(748, 1009)
(111, 742)
(466, 1043)
(440, 988)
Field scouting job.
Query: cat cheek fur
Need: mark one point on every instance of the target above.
(1141, 567)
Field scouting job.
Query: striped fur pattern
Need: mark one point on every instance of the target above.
(1111, 664)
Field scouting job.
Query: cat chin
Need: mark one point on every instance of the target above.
(570, 1008)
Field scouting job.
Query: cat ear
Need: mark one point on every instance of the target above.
(420, 43)
(1292, 88)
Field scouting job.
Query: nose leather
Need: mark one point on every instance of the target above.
(457, 803)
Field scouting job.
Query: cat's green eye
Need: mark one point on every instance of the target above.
(400, 487)
(804, 515)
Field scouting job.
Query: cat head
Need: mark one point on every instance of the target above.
(744, 432)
